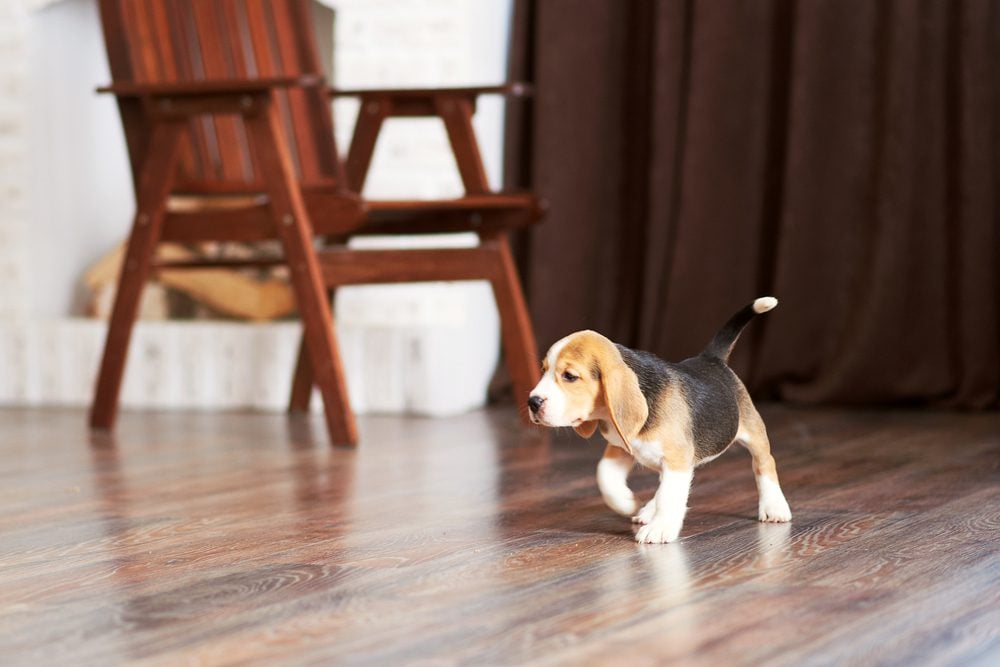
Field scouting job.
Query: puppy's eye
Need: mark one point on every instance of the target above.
(569, 377)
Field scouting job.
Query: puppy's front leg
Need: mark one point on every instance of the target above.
(645, 515)
(671, 506)
(612, 480)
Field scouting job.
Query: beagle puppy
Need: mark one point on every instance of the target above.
(669, 417)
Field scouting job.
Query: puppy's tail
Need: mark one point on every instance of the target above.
(722, 344)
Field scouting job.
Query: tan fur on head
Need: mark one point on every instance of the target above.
(586, 381)
(623, 399)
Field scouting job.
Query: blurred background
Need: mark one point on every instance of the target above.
(840, 155)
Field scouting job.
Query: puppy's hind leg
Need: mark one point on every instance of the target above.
(612, 480)
(771, 506)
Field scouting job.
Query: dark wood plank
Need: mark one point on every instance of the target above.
(513, 89)
(334, 213)
(229, 85)
(243, 539)
(341, 266)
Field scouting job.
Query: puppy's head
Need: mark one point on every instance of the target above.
(585, 381)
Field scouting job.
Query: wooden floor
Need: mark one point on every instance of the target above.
(197, 539)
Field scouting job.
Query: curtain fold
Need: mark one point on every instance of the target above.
(841, 155)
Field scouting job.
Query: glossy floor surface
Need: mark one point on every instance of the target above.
(201, 539)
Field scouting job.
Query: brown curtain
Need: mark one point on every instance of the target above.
(841, 155)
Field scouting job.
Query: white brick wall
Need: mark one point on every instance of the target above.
(378, 43)
(13, 155)
(416, 43)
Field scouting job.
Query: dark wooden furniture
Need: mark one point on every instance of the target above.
(224, 105)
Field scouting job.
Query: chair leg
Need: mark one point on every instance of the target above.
(292, 222)
(324, 357)
(130, 286)
(155, 183)
(519, 347)
(303, 380)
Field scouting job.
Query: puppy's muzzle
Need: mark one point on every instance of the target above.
(535, 404)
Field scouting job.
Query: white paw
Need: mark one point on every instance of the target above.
(612, 480)
(645, 515)
(658, 532)
(623, 503)
(771, 506)
(774, 510)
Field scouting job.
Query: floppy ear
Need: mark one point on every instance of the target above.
(622, 396)
(586, 429)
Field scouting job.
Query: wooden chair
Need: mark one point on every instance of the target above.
(224, 105)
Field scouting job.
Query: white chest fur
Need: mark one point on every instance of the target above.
(648, 453)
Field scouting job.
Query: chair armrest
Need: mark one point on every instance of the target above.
(216, 87)
(512, 89)
(454, 106)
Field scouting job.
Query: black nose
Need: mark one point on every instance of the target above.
(535, 403)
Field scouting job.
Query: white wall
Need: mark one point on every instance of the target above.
(415, 43)
(79, 187)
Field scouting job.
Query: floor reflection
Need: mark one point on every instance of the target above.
(774, 544)
(669, 569)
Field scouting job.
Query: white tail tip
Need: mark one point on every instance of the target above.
(764, 304)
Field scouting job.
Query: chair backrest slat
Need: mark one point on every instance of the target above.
(154, 41)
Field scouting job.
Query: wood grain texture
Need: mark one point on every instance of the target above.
(217, 539)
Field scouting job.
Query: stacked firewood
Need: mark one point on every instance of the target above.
(245, 294)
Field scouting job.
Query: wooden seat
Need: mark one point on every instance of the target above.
(230, 137)
(247, 217)
(484, 214)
